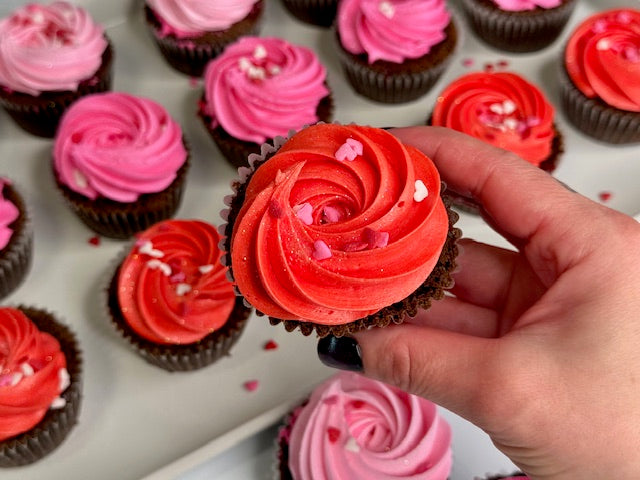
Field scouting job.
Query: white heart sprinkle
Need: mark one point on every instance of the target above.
(421, 191)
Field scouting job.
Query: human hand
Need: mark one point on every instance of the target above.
(539, 347)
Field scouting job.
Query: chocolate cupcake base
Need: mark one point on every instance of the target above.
(321, 13)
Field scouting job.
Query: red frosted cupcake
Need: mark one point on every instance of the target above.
(601, 75)
(394, 51)
(40, 384)
(189, 33)
(120, 161)
(339, 229)
(51, 55)
(171, 300)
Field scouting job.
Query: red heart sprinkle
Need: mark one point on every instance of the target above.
(604, 196)
(270, 345)
(251, 385)
(334, 434)
(95, 241)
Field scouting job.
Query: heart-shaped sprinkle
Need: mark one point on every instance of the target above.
(304, 212)
(321, 250)
(251, 385)
(270, 345)
(356, 145)
(345, 152)
(605, 196)
(331, 214)
(333, 433)
(421, 191)
(95, 241)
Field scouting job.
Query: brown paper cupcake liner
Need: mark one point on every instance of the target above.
(190, 56)
(432, 288)
(174, 358)
(47, 435)
(388, 82)
(123, 220)
(237, 151)
(517, 32)
(40, 115)
(321, 13)
(595, 118)
(15, 258)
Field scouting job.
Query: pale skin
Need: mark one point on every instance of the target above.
(539, 347)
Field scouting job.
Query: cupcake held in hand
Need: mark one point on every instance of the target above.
(40, 384)
(51, 55)
(120, 162)
(352, 427)
(171, 300)
(339, 229)
(260, 88)
(601, 76)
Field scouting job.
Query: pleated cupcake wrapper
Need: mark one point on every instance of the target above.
(498, 476)
(47, 435)
(173, 358)
(517, 32)
(595, 118)
(321, 13)
(16, 257)
(433, 287)
(123, 220)
(40, 115)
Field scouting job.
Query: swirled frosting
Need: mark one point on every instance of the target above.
(172, 288)
(341, 222)
(391, 30)
(117, 146)
(500, 108)
(602, 58)
(32, 373)
(49, 48)
(521, 5)
(190, 18)
(355, 427)
(8, 214)
(262, 87)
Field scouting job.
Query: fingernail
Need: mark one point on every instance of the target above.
(340, 352)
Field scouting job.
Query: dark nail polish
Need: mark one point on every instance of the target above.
(340, 352)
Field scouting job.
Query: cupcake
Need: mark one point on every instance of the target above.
(41, 382)
(189, 33)
(393, 51)
(171, 300)
(16, 238)
(354, 427)
(601, 74)
(339, 229)
(505, 110)
(321, 13)
(518, 25)
(260, 88)
(51, 55)
(120, 161)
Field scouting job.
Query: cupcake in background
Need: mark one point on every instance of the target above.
(51, 55)
(189, 33)
(40, 384)
(171, 300)
(601, 76)
(321, 13)
(394, 51)
(120, 161)
(260, 88)
(339, 209)
(518, 26)
(16, 238)
(354, 427)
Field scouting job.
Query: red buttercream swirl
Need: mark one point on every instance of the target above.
(330, 235)
(32, 368)
(602, 58)
(500, 108)
(172, 288)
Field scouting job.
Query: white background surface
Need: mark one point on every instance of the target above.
(140, 421)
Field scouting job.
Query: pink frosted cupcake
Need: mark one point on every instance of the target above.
(189, 33)
(355, 427)
(121, 163)
(260, 88)
(394, 51)
(51, 55)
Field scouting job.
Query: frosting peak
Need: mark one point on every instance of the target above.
(8, 214)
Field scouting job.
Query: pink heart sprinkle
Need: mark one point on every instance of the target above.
(95, 241)
(331, 214)
(375, 239)
(467, 62)
(270, 345)
(321, 250)
(304, 212)
(251, 385)
(345, 152)
(355, 145)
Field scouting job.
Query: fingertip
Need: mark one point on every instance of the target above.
(343, 353)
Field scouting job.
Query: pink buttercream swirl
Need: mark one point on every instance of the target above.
(49, 48)
(117, 146)
(259, 88)
(355, 427)
(391, 30)
(8, 214)
(190, 18)
(522, 5)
